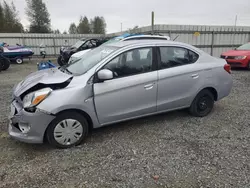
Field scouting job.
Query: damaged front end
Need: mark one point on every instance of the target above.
(27, 122)
(36, 87)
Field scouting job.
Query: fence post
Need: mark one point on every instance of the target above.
(212, 44)
(249, 37)
(23, 40)
(54, 44)
(152, 22)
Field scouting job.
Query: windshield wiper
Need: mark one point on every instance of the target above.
(67, 70)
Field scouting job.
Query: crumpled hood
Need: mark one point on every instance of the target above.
(47, 76)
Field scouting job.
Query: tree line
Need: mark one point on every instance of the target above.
(40, 22)
(96, 25)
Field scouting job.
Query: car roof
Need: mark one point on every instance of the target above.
(134, 43)
(147, 36)
(121, 44)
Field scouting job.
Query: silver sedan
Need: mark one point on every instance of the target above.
(113, 83)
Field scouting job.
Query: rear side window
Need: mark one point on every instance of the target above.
(176, 56)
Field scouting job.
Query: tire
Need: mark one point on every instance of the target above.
(5, 64)
(248, 66)
(63, 124)
(19, 60)
(1, 65)
(203, 104)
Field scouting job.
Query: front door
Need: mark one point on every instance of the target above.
(132, 92)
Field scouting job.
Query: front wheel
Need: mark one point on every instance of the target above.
(248, 66)
(5, 64)
(1, 66)
(202, 104)
(67, 129)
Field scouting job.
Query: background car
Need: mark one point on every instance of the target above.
(82, 44)
(239, 57)
(113, 83)
(124, 37)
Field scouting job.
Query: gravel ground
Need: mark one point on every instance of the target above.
(168, 150)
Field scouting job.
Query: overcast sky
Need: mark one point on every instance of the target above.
(138, 12)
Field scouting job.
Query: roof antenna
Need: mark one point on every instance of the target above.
(176, 37)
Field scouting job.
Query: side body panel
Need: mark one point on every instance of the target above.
(126, 97)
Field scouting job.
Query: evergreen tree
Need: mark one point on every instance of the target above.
(98, 25)
(84, 27)
(72, 28)
(39, 16)
(1, 18)
(57, 31)
(11, 24)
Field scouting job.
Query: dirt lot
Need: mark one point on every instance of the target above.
(168, 150)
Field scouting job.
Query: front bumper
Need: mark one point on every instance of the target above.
(237, 63)
(28, 127)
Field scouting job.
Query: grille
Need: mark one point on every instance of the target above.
(227, 57)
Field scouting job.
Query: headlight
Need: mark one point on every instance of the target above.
(35, 98)
(240, 57)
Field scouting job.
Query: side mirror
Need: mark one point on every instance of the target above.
(105, 74)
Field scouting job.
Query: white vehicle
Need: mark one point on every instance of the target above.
(78, 55)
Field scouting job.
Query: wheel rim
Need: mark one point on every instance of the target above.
(204, 104)
(19, 61)
(68, 132)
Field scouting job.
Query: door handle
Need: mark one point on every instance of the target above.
(194, 76)
(149, 86)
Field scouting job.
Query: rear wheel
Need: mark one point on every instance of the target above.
(19, 60)
(67, 129)
(202, 104)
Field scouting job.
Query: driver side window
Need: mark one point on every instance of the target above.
(132, 62)
(176, 56)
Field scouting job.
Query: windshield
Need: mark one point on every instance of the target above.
(244, 47)
(89, 60)
(113, 40)
(78, 44)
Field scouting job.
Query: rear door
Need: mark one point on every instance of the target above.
(132, 93)
(179, 77)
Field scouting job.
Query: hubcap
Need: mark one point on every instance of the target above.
(68, 131)
(19, 61)
(203, 104)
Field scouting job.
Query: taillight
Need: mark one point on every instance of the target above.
(227, 68)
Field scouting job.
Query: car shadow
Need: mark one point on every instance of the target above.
(100, 134)
(97, 135)
(239, 69)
